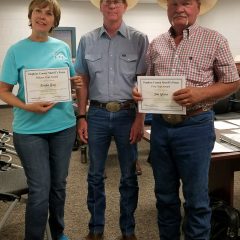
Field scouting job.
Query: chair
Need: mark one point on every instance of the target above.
(228, 108)
(13, 188)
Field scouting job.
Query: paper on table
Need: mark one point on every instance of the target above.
(224, 125)
(234, 121)
(236, 130)
(231, 138)
(219, 148)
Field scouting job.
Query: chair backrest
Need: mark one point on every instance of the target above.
(222, 106)
(13, 181)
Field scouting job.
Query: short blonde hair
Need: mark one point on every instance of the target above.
(42, 4)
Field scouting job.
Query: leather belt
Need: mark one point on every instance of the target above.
(114, 106)
(176, 119)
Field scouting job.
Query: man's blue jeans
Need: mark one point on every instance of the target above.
(45, 159)
(102, 126)
(183, 151)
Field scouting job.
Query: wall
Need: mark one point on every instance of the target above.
(149, 18)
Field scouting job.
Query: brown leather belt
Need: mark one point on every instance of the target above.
(114, 106)
(176, 119)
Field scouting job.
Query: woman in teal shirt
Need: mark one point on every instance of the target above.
(44, 132)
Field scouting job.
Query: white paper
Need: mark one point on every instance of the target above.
(234, 121)
(221, 125)
(47, 85)
(157, 94)
(236, 130)
(220, 148)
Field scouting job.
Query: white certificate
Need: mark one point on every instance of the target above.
(47, 85)
(157, 93)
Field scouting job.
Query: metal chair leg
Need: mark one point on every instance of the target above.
(6, 215)
(83, 148)
(48, 232)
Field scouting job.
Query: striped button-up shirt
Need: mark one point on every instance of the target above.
(203, 57)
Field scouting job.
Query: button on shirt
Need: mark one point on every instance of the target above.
(203, 57)
(112, 63)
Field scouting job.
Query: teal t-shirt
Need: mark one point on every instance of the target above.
(27, 54)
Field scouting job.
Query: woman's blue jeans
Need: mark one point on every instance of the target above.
(102, 126)
(182, 152)
(45, 159)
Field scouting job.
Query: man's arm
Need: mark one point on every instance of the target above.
(193, 95)
(137, 129)
(8, 97)
(82, 98)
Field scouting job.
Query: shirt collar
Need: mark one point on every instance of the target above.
(186, 32)
(122, 30)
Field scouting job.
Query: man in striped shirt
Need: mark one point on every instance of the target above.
(181, 145)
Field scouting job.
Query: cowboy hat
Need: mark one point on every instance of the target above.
(206, 5)
(130, 3)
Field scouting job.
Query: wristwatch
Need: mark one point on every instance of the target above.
(81, 116)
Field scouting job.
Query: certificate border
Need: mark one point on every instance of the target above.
(182, 79)
(45, 69)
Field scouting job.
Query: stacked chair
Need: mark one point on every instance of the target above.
(13, 184)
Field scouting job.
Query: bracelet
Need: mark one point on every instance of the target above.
(81, 116)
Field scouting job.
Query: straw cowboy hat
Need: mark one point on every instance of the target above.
(206, 5)
(130, 3)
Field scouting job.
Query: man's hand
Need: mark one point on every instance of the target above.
(189, 96)
(137, 96)
(137, 129)
(83, 130)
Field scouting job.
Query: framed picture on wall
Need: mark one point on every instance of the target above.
(68, 35)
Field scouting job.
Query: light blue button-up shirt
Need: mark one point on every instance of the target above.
(112, 63)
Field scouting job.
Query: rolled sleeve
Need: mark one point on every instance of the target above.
(224, 65)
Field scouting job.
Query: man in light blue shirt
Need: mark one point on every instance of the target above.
(109, 59)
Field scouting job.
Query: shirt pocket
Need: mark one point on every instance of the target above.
(128, 64)
(94, 63)
(199, 70)
(160, 66)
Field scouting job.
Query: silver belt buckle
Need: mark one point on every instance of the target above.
(173, 118)
(113, 106)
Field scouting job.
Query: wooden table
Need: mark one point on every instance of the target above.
(221, 173)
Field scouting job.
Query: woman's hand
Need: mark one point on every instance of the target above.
(40, 107)
(76, 82)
